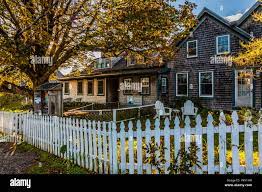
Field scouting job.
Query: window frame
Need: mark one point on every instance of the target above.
(124, 91)
(149, 86)
(229, 48)
(181, 95)
(192, 56)
(199, 84)
(78, 87)
(67, 93)
(90, 94)
(163, 92)
(98, 94)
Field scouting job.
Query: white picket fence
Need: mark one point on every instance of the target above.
(105, 148)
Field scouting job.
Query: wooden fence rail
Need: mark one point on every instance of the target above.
(105, 148)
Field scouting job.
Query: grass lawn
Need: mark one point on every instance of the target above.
(47, 163)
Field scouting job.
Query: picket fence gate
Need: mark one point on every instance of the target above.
(105, 148)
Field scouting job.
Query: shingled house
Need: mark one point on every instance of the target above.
(203, 70)
(126, 80)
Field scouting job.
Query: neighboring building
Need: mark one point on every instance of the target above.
(126, 80)
(202, 69)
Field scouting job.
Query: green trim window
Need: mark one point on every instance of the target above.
(90, 87)
(66, 88)
(100, 87)
(80, 88)
(164, 85)
(145, 83)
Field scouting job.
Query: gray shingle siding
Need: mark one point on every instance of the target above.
(224, 78)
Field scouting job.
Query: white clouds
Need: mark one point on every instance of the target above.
(235, 17)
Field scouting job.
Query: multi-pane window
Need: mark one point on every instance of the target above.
(66, 88)
(164, 84)
(223, 44)
(127, 86)
(79, 88)
(206, 84)
(145, 83)
(90, 87)
(192, 49)
(100, 87)
(182, 84)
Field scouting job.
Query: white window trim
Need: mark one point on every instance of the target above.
(129, 61)
(192, 56)
(229, 48)
(179, 95)
(199, 84)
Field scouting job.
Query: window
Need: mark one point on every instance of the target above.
(66, 88)
(192, 49)
(100, 87)
(164, 84)
(206, 82)
(90, 87)
(79, 88)
(223, 44)
(181, 84)
(145, 86)
(127, 86)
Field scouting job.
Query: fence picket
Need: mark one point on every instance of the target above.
(123, 147)
(222, 144)
(90, 145)
(235, 143)
(199, 144)
(249, 146)
(210, 141)
(167, 144)
(100, 165)
(148, 140)
(94, 145)
(177, 139)
(114, 148)
(105, 148)
(131, 147)
(139, 148)
(85, 141)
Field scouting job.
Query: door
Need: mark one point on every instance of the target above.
(244, 88)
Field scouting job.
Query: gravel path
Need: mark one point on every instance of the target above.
(16, 162)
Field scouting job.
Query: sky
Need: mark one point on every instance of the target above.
(222, 7)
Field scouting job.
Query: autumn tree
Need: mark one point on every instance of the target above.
(252, 54)
(63, 29)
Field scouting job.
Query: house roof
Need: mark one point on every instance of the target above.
(50, 86)
(248, 13)
(234, 28)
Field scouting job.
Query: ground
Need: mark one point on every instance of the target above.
(26, 159)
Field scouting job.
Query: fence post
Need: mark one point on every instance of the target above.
(235, 143)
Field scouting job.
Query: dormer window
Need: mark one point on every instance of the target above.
(223, 44)
(135, 60)
(192, 49)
